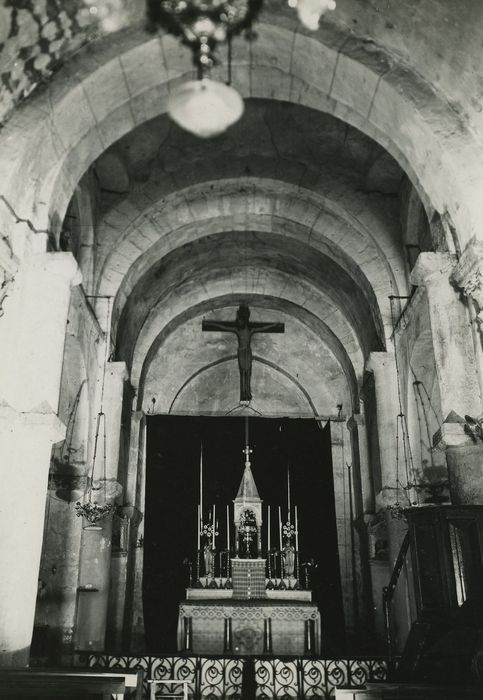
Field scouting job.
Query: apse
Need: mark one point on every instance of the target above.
(298, 450)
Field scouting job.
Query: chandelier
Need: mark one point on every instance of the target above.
(205, 107)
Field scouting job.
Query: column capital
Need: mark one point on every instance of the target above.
(432, 268)
(118, 369)
(378, 361)
(59, 264)
(41, 418)
(468, 274)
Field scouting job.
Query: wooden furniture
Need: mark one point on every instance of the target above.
(75, 684)
(173, 694)
(447, 557)
(409, 691)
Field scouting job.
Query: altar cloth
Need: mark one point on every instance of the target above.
(249, 627)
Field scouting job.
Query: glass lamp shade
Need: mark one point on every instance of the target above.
(205, 107)
(310, 11)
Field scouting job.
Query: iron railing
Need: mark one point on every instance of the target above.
(220, 678)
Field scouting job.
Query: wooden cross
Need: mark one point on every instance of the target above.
(243, 330)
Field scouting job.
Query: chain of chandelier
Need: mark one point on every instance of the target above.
(206, 107)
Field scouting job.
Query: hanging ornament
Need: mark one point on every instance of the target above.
(94, 508)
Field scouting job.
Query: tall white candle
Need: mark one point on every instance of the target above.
(268, 526)
(288, 493)
(201, 485)
(213, 526)
(198, 527)
(296, 530)
(280, 525)
(228, 527)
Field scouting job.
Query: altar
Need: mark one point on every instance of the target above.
(278, 626)
(248, 602)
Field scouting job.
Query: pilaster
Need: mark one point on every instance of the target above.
(451, 335)
(26, 440)
(383, 366)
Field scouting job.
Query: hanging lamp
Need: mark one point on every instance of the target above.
(205, 107)
(94, 506)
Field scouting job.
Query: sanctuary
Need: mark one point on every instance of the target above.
(249, 599)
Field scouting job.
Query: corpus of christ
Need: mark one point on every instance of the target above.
(248, 595)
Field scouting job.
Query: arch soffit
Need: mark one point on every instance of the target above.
(304, 315)
(414, 124)
(288, 212)
(278, 286)
(256, 261)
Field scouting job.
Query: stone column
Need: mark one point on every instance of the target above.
(363, 506)
(451, 334)
(94, 578)
(30, 373)
(456, 363)
(367, 482)
(383, 366)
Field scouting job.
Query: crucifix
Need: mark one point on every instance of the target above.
(243, 330)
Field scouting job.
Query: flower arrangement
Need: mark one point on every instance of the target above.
(288, 530)
(207, 531)
(93, 512)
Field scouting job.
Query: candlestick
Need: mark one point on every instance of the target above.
(228, 529)
(268, 526)
(213, 527)
(280, 525)
(296, 529)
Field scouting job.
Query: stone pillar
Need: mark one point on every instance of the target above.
(363, 506)
(383, 366)
(456, 365)
(451, 334)
(464, 456)
(94, 578)
(30, 372)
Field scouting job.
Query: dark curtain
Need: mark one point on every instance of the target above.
(172, 495)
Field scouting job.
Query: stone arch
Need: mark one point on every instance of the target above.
(370, 255)
(402, 121)
(348, 363)
(293, 380)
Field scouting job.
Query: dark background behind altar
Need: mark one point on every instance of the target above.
(172, 495)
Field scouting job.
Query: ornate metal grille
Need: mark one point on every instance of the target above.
(220, 678)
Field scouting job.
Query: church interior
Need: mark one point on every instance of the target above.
(241, 362)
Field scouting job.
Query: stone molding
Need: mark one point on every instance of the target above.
(432, 268)
(43, 417)
(468, 275)
(378, 361)
(59, 264)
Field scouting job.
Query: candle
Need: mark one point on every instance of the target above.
(198, 526)
(228, 527)
(201, 486)
(268, 525)
(213, 527)
(296, 529)
(280, 525)
(288, 492)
